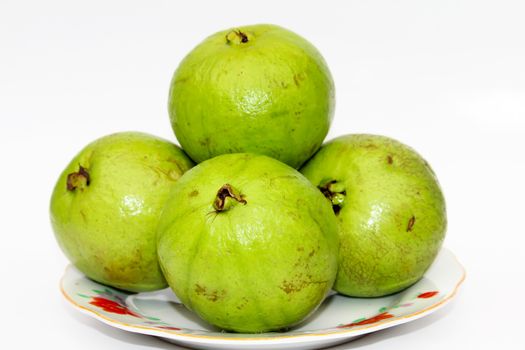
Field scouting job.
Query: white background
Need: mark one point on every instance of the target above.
(446, 77)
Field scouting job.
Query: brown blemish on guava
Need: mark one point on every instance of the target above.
(205, 142)
(122, 274)
(411, 223)
(243, 303)
(305, 260)
(200, 290)
(171, 174)
(298, 78)
(390, 159)
(182, 80)
(224, 192)
(290, 287)
(79, 179)
(176, 163)
(211, 296)
(83, 214)
(194, 193)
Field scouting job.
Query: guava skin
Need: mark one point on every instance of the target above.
(263, 262)
(106, 205)
(257, 89)
(390, 211)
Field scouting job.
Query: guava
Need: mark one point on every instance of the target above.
(390, 211)
(106, 205)
(248, 243)
(258, 89)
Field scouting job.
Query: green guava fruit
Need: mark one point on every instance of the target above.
(248, 243)
(106, 205)
(390, 210)
(257, 89)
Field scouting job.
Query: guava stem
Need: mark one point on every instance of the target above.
(236, 36)
(79, 179)
(335, 193)
(221, 202)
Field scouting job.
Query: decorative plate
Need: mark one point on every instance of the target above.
(338, 319)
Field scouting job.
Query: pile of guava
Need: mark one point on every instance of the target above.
(253, 220)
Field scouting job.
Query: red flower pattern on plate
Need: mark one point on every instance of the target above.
(385, 315)
(427, 295)
(374, 319)
(113, 302)
(112, 306)
(121, 309)
(169, 328)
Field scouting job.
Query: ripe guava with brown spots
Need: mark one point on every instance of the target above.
(248, 243)
(259, 89)
(106, 205)
(390, 211)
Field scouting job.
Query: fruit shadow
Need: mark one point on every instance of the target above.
(167, 307)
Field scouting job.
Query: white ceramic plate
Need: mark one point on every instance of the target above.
(339, 319)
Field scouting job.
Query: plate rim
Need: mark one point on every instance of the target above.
(200, 338)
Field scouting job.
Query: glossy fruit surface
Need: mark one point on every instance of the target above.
(258, 89)
(106, 205)
(390, 210)
(248, 243)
